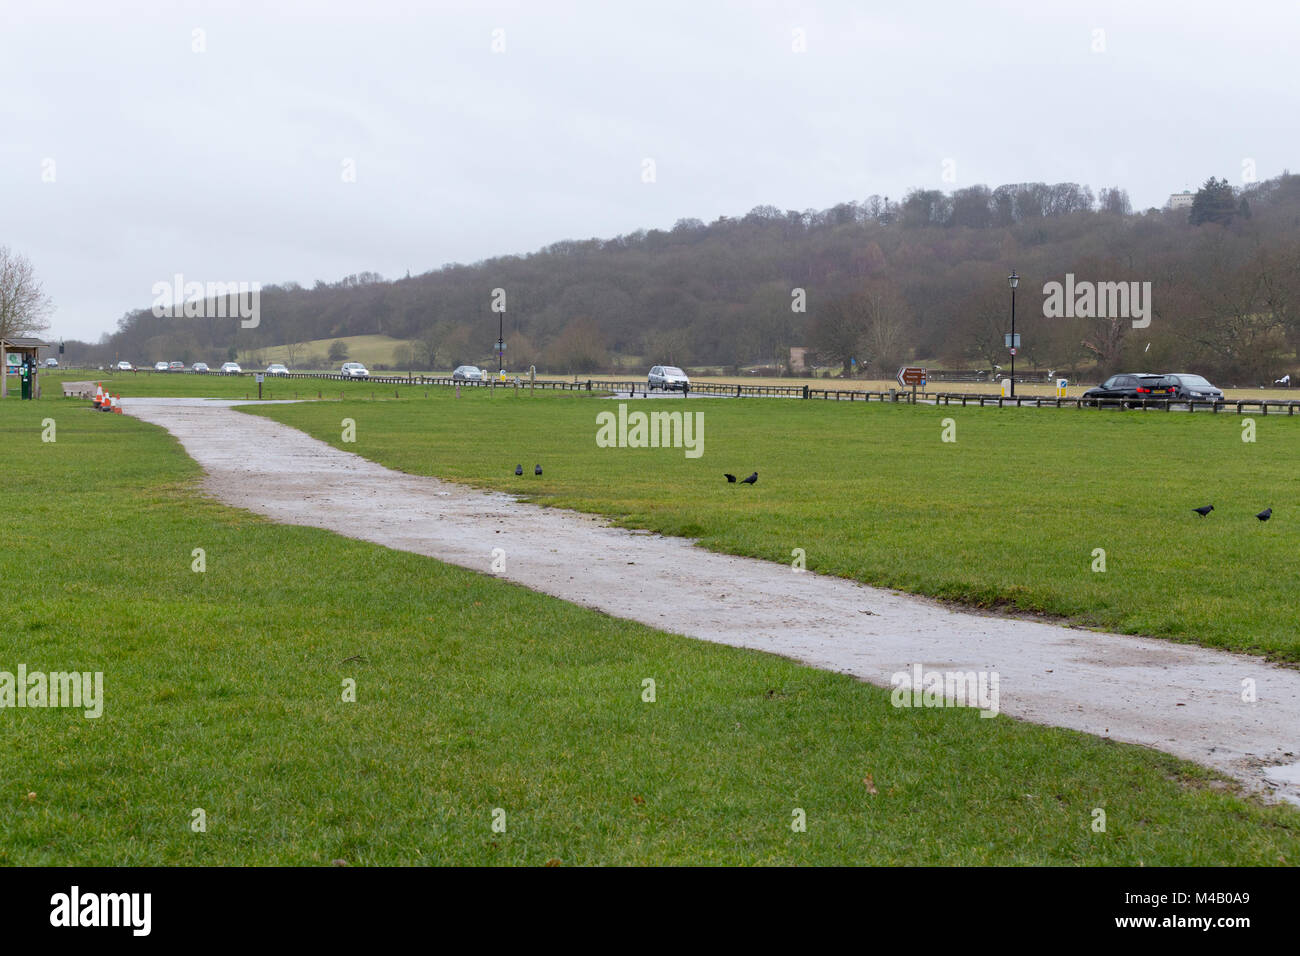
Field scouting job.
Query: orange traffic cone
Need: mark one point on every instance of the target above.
(117, 404)
(107, 404)
(99, 394)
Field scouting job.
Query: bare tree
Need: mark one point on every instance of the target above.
(23, 303)
(885, 341)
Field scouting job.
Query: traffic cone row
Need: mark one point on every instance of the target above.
(105, 402)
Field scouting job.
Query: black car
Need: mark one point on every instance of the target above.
(1131, 388)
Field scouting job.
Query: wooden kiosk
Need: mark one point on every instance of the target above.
(15, 353)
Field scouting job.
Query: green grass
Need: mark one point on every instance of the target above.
(174, 385)
(223, 692)
(1008, 515)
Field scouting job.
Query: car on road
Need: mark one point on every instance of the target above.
(176, 367)
(1133, 387)
(354, 370)
(1193, 387)
(275, 368)
(51, 363)
(199, 367)
(124, 367)
(231, 368)
(467, 373)
(160, 366)
(668, 378)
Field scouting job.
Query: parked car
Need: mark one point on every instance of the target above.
(668, 378)
(354, 370)
(1194, 387)
(1133, 386)
(124, 367)
(199, 367)
(51, 363)
(176, 367)
(160, 366)
(275, 368)
(231, 368)
(467, 373)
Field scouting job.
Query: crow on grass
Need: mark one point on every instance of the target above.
(731, 479)
(537, 469)
(1265, 514)
(1204, 510)
(750, 480)
(519, 469)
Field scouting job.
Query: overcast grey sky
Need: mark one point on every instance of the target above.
(229, 164)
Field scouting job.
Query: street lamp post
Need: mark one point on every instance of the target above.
(1013, 280)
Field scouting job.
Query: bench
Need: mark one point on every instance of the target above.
(78, 389)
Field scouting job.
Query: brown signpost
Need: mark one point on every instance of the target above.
(912, 375)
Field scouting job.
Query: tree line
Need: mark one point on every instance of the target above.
(866, 285)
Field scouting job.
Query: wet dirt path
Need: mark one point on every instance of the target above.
(1177, 698)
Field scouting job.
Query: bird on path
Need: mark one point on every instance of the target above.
(731, 479)
(1265, 514)
(537, 469)
(750, 480)
(1203, 511)
(519, 469)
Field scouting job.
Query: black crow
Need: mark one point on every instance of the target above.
(731, 479)
(1265, 514)
(750, 480)
(519, 469)
(1204, 511)
(537, 469)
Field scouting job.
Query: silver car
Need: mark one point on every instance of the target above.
(1194, 387)
(354, 370)
(668, 378)
(467, 373)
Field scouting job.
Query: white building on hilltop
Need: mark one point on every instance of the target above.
(1182, 200)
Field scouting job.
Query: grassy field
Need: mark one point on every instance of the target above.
(366, 349)
(223, 692)
(156, 384)
(1008, 515)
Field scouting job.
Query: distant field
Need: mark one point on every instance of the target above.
(1008, 515)
(223, 692)
(366, 349)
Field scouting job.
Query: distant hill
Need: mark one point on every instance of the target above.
(867, 285)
